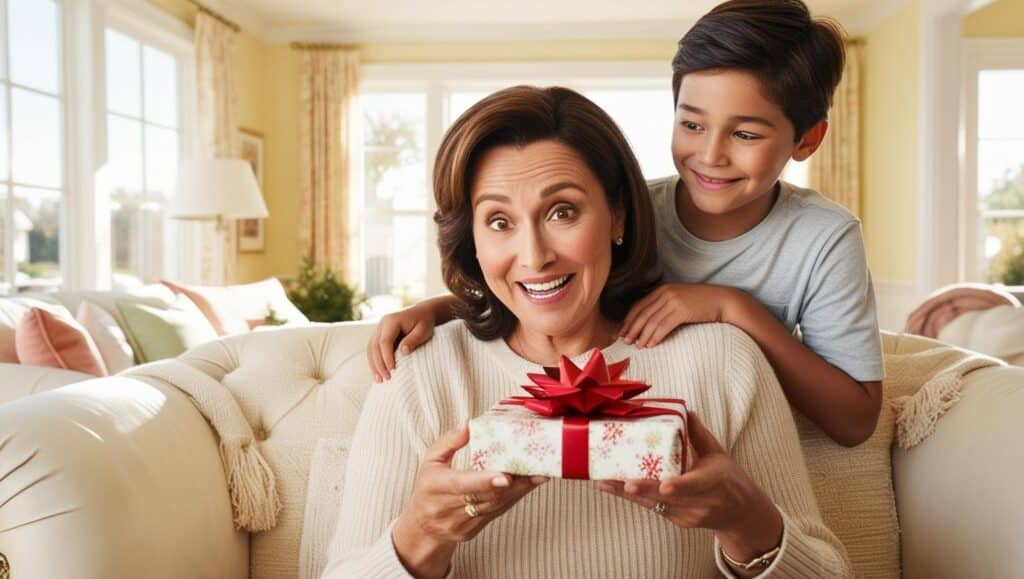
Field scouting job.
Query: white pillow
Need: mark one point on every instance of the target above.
(111, 340)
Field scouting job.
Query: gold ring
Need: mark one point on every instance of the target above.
(469, 499)
(470, 509)
(659, 508)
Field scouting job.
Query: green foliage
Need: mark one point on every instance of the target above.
(271, 318)
(322, 297)
(1007, 266)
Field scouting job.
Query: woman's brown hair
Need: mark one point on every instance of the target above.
(517, 117)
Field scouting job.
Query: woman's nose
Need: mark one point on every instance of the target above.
(534, 251)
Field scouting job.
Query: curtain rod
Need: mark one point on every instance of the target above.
(322, 46)
(223, 19)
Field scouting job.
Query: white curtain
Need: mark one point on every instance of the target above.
(330, 151)
(217, 103)
(834, 170)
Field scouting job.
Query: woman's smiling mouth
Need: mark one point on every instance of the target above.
(547, 291)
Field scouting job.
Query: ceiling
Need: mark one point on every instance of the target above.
(434, 20)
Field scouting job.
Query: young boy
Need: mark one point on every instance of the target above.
(753, 83)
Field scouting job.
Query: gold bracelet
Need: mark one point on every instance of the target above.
(762, 560)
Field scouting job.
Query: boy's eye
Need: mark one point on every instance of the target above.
(498, 224)
(745, 136)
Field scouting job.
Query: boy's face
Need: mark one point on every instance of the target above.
(730, 143)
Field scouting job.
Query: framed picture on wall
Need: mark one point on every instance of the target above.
(252, 232)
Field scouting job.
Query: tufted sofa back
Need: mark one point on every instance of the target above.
(296, 387)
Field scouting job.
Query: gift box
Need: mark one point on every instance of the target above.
(582, 424)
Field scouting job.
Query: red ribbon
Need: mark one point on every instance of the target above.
(595, 391)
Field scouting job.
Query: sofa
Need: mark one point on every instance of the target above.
(202, 312)
(122, 476)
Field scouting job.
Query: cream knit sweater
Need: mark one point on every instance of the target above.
(567, 528)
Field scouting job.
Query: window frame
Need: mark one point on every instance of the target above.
(8, 283)
(439, 80)
(979, 54)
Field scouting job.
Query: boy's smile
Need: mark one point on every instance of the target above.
(730, 145)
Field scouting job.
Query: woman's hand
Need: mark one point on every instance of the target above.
(670, 306)
(436, 518)
(416, 323)
(714, 494)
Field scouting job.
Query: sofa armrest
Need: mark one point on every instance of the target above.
(114, 477)
(20, 380)
(958, 493)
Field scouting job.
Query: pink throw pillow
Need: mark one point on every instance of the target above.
(46, 339)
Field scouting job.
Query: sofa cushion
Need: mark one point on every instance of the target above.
(12, 309)
(109, 337)
(234, 309)
(166, 332)
(295, 386)
(54, 340)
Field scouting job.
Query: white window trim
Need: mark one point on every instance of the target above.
(86, 262)
(438, 80)
(979, 54)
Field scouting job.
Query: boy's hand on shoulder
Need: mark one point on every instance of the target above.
(670, 306)
(415, 323)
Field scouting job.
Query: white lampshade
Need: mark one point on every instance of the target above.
(212, 188)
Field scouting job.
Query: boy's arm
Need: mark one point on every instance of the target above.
(847, 410)
(416, 323)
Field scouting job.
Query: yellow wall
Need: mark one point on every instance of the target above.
(518, 51)
(890, 146)
(1001, 18)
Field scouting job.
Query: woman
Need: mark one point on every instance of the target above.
(546, 237)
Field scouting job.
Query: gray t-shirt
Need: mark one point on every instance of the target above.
(805, 262)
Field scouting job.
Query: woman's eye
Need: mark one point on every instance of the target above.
(562, 213)
(690, 126)
(745, 136)
(498, 224)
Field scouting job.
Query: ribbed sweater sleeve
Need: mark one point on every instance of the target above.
(767, 448)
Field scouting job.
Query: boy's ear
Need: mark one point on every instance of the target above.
(811, 140)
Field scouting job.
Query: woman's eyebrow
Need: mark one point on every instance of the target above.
(553, 188)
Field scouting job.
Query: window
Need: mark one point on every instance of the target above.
(143, 148)
(407, 108)
(32, 175)
(995, 162)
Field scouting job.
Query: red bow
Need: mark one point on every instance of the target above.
(595, 390)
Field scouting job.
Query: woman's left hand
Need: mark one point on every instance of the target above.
(716, 494)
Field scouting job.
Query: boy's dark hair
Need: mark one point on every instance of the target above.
(798, 59)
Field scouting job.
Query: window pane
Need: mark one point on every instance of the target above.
(1004, 238)
(999, 165)
(161, 87)
(37, 138)
(4, 282)
(4, 168)
(161, 162)
(646, 116)
(460, 101)
(394, 137)
(124, 144)
(396, 257)
(1000, 94)
(124, 88)
(36, 249)
(33, 31)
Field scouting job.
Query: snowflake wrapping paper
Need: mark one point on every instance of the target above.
(518, 441)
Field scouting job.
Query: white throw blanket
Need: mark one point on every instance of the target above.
(939, 371)
(251, 483)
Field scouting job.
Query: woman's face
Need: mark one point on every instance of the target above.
(543, 232)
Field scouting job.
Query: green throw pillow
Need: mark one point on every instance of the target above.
(166, 332)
